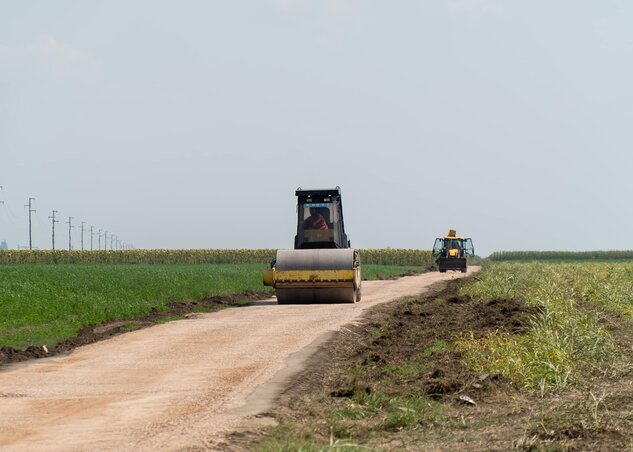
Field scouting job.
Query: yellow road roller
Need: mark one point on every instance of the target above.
(322, 267)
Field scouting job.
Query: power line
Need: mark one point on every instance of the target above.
(115, 242)
(54, 221)
(11, 216)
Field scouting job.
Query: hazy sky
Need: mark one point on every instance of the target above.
(190, 124)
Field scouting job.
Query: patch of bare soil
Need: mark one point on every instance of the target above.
(404, 350)
(414, 328)
(89, 335)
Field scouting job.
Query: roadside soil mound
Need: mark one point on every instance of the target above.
(394, 333)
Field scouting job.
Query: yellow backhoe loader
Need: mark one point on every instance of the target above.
(322, 267)
(452, 252)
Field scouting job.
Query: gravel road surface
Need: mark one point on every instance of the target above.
(180, 385)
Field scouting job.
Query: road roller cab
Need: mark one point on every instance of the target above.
(322, 268)
(320, 221)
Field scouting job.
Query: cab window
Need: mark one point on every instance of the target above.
(317, 216)
(438, 246)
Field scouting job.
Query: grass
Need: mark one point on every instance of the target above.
(354, 423)
(389, 384)
(287, 438)
(566, 343)
(371, 272)
(45, 304)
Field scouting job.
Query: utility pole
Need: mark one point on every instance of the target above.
(111, 240)
(92, 235)
(70, 237)
(31, 211)
(99, 239)
(105, 240)
(54, 221)
(82, 235)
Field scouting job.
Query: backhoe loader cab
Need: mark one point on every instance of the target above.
(452, 252)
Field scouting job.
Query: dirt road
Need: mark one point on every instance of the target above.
(177, 385)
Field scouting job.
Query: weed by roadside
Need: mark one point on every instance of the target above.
(566, 343)
(394, 379)
(405, 379)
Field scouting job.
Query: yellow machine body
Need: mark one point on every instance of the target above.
(312, 278)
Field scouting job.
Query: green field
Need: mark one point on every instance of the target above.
(45, 304)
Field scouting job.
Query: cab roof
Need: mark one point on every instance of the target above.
(318, 192)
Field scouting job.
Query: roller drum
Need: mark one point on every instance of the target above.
(317, 259)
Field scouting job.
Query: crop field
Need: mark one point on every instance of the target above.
(418, 258)
(45, 304)
(499, 256)
(533, 356)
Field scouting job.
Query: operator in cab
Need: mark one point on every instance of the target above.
(315, 220)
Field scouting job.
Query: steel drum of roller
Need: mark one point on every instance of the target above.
(317, 276)
(319, 259)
